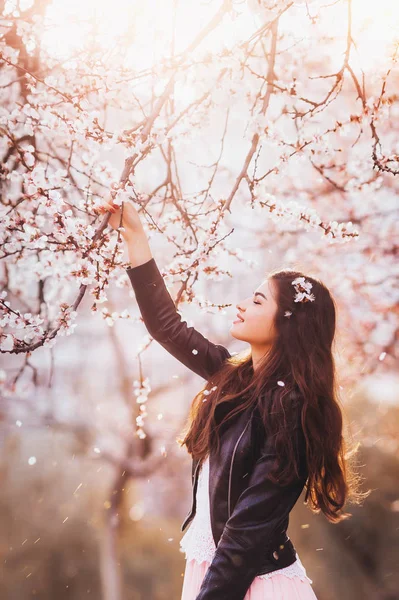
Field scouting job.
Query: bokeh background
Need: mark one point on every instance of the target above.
(250, 135)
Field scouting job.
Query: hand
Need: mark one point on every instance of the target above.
(131, 221)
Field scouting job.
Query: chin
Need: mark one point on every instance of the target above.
(236, 335)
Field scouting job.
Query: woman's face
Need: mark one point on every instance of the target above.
(258, 311)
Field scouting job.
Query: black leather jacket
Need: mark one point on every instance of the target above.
(249, 514)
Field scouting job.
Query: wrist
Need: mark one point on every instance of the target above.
(130, 235)
(138, 248)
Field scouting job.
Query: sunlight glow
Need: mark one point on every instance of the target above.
(144, 29)
(73, 25)
(376, 29)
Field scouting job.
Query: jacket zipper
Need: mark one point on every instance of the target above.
(230, 478)
(192, 501)
(231, 466)
(195, 473)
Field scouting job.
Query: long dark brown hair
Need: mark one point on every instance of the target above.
(294, 383)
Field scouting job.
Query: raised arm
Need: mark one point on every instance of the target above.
(165, 325)
(156, 305)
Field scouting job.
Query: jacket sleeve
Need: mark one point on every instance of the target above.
(250, 534)
(165, 325)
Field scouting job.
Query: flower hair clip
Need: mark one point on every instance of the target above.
(303, 293)
(302, 288)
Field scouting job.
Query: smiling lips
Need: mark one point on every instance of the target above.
(239, 320)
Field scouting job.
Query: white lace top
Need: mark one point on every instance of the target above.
(197, 543)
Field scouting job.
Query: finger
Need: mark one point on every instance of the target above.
(108, 207)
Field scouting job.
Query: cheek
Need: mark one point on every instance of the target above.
(259, 324)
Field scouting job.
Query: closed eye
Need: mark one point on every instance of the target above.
(256, 302)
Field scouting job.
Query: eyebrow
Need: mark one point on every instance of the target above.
(259, 294)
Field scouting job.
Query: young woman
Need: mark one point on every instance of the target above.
(266, 424)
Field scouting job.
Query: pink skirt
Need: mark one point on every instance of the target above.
(278, 587)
